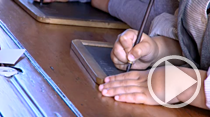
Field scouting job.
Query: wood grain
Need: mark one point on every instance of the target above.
(31, 88)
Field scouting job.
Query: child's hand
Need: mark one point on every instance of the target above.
(132, 87)
(47, 1)
(143, 53)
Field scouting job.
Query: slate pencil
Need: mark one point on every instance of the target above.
(140, 32)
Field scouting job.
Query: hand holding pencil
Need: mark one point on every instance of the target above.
(142, 55)
(128, 51)
(149, 7)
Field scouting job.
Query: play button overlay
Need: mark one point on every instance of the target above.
(176, 81)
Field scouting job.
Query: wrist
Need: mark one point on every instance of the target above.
(200, 100)
(166, 47)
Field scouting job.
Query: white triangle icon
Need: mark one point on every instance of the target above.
(176, 81)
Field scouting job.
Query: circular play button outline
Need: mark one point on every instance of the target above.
(166, 59)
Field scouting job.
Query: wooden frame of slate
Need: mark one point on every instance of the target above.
(70, 13)
(95, 57)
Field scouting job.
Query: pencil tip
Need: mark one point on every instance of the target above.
(128, 67)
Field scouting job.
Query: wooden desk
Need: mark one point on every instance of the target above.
(50, 47)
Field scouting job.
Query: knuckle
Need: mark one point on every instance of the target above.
(138, 82)
(126, 89)
(122, 83)
(128, 33)
(123, 39)
(126, 83)
(135, 97)
(116, 50)
(113, 78)
(123, 76)
(118, 47)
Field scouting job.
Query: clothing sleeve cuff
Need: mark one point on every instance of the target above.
(207, 89)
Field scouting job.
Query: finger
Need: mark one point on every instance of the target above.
(127, 39)
(139, 98)
(140, 50)
(119, 53)
(116, 61)
(140, 65)
(122, 90)
(118, 64)
(136, 65)
(128, 75)
(121, 83)
(121, 67)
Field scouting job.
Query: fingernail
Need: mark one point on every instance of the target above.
(116, 97)
(101, 87)
(131, 57)
(104, 91)
(107, 79)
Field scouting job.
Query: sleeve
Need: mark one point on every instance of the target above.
(132, 11)
(207, 89)
(164, 25)
(133, 16)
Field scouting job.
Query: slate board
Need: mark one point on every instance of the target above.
(96, 59)
(71, 13)
(102, 57)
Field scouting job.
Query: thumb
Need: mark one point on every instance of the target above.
(140, 50)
